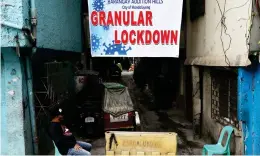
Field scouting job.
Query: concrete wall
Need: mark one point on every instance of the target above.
(14, 15)
(12, 114)
(210, 128)
(59, 28)
(205, 34)
(59, 25)
(204, 47)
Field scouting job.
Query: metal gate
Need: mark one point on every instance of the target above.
(54, 86)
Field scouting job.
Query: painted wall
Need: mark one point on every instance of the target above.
(59, 25)
(205, 35)
(12, 118)
(248, 106)
(14, 13)
(59, 28)
(210, 128)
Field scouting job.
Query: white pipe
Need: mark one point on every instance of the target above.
(12, 25)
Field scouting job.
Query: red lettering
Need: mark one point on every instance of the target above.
(174, 37)
(133, 22)
(165, 36)
(126, 18)
(94, 18)
(118, 16)
(132, 38)
(110, 19)
(116, 39)
(148, 37)
(102, 17)
(141, 19)
(149, 16)
(156, 37)
(140, 37)
(124, 37)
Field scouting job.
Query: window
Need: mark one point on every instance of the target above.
(197, 9)
(224, 97)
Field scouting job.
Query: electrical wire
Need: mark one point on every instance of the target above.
(237, 7)
(224, 30)
(224, 27)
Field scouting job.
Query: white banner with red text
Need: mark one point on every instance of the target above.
(135, 28)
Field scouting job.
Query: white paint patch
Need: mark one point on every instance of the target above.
(14, 79)
(11, 92)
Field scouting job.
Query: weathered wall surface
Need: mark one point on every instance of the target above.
(12, 118)
(211, 128)
(248, 107)
(59, 25)
(14, 13)
(205, 35)
(59, 28)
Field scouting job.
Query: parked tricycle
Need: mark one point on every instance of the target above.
(118, 108)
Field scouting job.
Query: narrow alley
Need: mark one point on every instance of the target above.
(157, 121)
(189, 68)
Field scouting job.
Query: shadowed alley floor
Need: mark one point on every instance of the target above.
(157, 121)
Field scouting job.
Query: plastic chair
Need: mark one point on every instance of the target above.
(218, 148)
(56, 152)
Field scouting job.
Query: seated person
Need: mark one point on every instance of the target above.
(63, 138)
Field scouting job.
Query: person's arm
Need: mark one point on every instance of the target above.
(58, 137)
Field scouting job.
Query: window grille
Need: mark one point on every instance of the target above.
(224, 97)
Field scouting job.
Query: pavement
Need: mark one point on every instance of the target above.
(172, 120)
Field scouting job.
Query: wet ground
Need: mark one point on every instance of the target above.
(157, 121)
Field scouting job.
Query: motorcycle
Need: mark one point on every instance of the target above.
(90, 119)
(88, 104)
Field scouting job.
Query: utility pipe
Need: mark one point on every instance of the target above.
(31, 104)
(29, 77)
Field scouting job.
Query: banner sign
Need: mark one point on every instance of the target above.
(135, 28)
